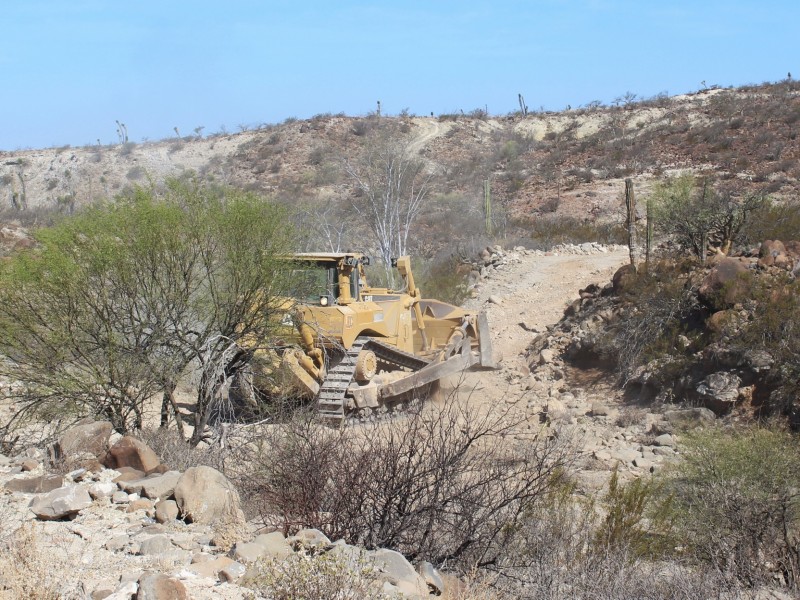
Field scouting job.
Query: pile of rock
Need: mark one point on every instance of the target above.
(173, 534)
(585, 248)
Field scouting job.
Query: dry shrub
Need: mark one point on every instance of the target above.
(446, 484)
(28, 572)
(560, 552)
(630, 416)
(315, 577)
(177, 453)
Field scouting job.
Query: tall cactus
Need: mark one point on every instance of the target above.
(630, 204)
(487, 205)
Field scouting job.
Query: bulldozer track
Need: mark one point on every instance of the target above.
(395, 357)
(331, 397)
(331, 400)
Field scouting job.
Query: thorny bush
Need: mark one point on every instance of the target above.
(445, 484)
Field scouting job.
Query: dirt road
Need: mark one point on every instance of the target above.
(532, 292)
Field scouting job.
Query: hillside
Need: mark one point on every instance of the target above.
(570, 163)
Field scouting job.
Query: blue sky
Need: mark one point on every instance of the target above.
(70, 68)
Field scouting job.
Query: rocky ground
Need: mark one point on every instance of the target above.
(120, 528)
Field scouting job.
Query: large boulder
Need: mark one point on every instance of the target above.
(63, 503)
(87, 438)
(770, 252)
(156, 486)
(720, 391)
(725, 284)
(130, 452)
(396, 570)
(623, 278)
(40, 484)
(204, 495)
(157, 586)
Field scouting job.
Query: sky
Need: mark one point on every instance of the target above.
(69, 69)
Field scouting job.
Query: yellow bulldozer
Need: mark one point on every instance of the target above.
(355, 349)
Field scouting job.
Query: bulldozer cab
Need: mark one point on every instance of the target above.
(328, 278)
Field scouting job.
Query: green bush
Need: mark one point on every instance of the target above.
(444, 279)
(773, 221)
(635, 520)
(736, 506)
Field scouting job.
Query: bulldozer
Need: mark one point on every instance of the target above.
(355, 349)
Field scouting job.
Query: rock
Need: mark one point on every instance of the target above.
(204, 495)
(623, 278)
(63, 503)
(102, 489)
(274, 544)
(555, 408)
(29, 465)
(101, 593)
(130, 452)
(663, 451)
(155, 545)
(210, 568)
(127, 474)
(495, 299)
(144, 504)
(399, 572)
(352, 555)
(625, 455)
(118, 542)
(87, 438)
(185, 541)
(166, 511)
(643, 463)
(431, 577)
(120, 497)
(132, 486)
(771, 252)
(157, 586)
(689, 418)
(232, 572)
(125, 591)
(309, 537)
(247, 552)
(724, 286)
(35, 485)
(665, 439)
(546, 356)
(720, 390)
(160, 486)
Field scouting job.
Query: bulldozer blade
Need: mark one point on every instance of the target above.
(433, 372)
(487, 359)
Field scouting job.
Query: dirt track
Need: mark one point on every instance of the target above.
(527, 296)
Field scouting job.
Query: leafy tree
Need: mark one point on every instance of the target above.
(701, 217)
(117, 302)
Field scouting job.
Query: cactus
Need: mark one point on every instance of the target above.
(630, 204)
(487, 205)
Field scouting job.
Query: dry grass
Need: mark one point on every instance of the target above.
(28, 570)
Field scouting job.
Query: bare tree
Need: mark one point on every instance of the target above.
(391, 185)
